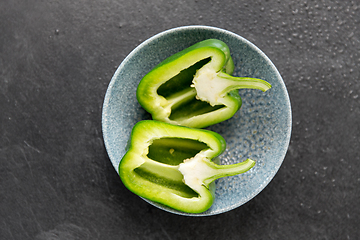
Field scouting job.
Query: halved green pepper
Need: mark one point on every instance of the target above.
(172, 165)
(194, 87)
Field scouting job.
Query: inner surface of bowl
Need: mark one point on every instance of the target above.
(259, 130)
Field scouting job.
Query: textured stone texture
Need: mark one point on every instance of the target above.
(56, 60)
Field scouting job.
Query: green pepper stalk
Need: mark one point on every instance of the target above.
(194, 87)
(172, 165)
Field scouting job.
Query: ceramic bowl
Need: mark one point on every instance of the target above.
(259, 130)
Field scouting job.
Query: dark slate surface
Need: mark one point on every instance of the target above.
(56, 60)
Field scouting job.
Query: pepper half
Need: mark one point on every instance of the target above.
(172, 165)
(194, 87)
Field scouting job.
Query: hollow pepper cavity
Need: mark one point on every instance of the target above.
(194, 87)
(173, 165)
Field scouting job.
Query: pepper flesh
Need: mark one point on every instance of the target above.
(172, 165)
(194, 87)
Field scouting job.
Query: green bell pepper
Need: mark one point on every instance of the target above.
(194, 87)
(172, 165)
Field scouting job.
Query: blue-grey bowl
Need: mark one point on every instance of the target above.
(259, 130)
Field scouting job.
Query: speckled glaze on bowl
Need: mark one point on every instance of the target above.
(259, 130)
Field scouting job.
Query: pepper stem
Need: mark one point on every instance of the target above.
(212, 86)
(199, 171)
(228, 170)
(243, 82)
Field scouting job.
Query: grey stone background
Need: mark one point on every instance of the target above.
(56, 61)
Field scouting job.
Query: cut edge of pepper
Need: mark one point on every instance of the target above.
(156, 171)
